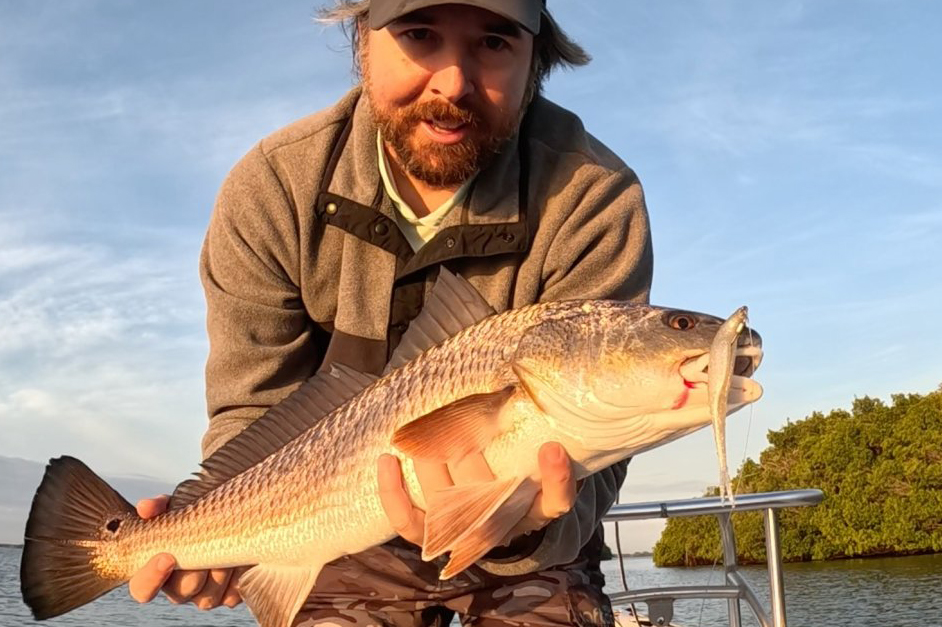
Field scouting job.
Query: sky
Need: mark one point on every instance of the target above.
(790, 153)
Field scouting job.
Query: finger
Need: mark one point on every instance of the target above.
(146, 583)
(405, 519)
(184, 584)
(217, 582)
(432, 476)
(148, 508)
(471, 468)
(558, 493)
(232, 598)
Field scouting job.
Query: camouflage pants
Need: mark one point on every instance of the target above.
(390, 586)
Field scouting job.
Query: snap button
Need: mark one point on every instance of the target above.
(331, 208)
(450, 242)
(508, 237)
(380, 228)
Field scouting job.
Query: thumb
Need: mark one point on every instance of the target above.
(148, 508)
(559, 485)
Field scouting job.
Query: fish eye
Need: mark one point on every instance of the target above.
(681, 321)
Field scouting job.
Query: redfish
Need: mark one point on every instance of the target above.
(298, 487)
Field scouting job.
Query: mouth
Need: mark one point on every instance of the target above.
(445, 131)
(742, 389)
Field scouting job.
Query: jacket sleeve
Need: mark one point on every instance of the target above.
(602, 250)
(260, 338)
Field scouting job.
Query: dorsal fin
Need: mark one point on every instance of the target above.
(453, 305)
(298, 412)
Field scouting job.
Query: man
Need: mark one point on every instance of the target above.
(326, 238)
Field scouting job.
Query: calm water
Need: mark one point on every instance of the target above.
(894, 592)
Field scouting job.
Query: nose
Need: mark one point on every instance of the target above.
(452, 81)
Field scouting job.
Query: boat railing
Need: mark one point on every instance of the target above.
(660, 601)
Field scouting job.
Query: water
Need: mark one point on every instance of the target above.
(115, 609)
(888, 592)
(897, 592)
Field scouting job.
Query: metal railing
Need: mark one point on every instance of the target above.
(660, 601)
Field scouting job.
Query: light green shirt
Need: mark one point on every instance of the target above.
(418, 231)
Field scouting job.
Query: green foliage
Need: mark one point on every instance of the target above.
(879, 466)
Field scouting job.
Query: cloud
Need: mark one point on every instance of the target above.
(113, 150)
(723, 88)
(115, 420)
(61, 298)
(100, 354)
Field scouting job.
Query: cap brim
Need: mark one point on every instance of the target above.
(526, 13)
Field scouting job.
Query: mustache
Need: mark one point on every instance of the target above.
(442, 111)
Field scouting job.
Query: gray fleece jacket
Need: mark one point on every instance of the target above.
(303, 265)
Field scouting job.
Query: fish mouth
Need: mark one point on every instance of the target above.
(742, 388)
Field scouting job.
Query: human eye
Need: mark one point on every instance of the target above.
(418, 34)
(494, 43)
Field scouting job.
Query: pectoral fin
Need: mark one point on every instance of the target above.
(454, 430)
(470, 520)
(275, 593)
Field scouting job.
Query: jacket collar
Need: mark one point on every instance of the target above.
(356, 173)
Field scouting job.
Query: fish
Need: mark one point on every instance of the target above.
(298, 487)
(720, 368)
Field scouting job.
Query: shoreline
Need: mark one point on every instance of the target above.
(810, 561)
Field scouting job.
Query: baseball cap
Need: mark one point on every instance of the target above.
(524, 12)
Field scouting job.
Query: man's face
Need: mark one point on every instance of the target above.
(447, 85)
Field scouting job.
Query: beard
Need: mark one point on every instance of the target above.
(443, 165)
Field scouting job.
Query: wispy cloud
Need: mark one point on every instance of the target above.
(100, 353)
(789, 154)
(113, 150)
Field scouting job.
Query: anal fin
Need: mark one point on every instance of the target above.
(275, 593)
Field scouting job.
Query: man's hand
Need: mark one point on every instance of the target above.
(204, 588)
(556, 497)
(557, 493)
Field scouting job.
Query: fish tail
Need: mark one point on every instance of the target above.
(73, 512)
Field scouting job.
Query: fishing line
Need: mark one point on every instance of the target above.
(621, 563)
(738, 482)
(709, 580)
(752, 411)
(739, 479)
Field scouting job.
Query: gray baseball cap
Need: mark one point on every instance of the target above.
(524, 12)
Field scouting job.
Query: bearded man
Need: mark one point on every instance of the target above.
(326, 238)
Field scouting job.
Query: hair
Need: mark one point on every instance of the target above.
(552, 47)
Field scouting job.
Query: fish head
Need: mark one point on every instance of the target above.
(625, 375)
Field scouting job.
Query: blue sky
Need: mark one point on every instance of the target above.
(791, 154)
